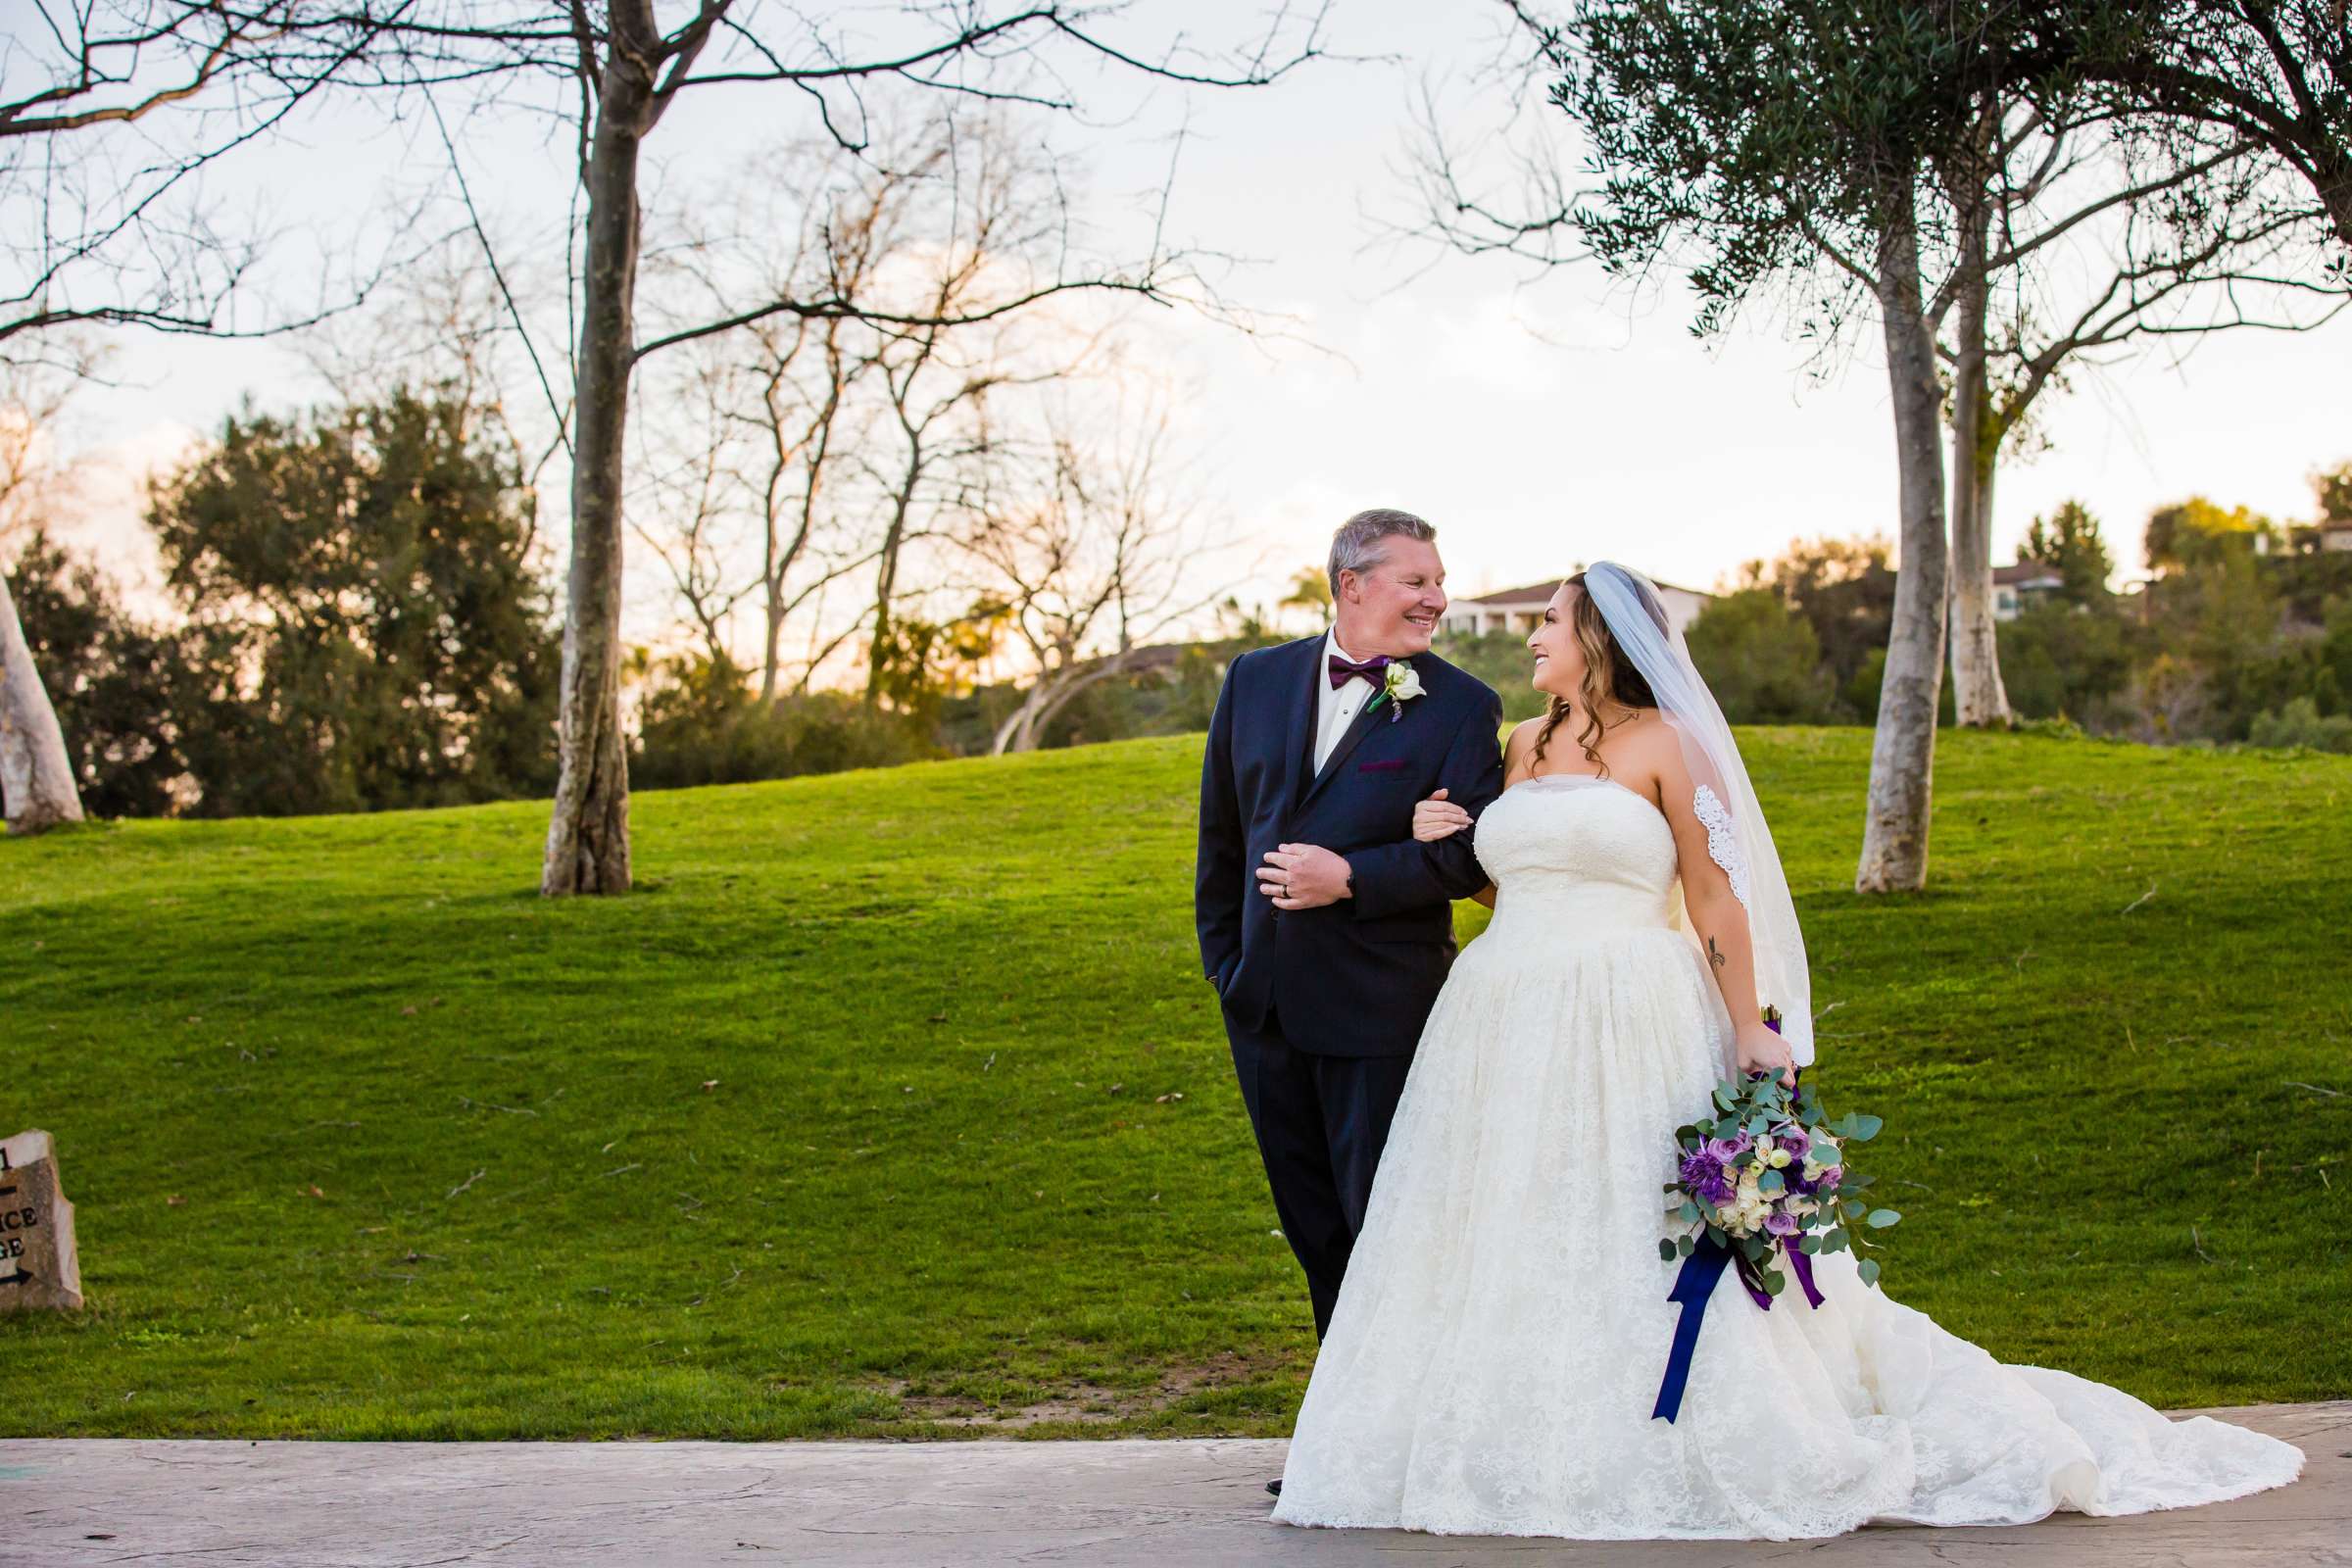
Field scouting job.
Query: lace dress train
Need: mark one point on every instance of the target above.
(1498, 1342)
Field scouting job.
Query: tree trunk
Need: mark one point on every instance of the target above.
(2333, 182)
(1902, 754)
(588, 836)
(37, 778)
(886, 588)
(1981, 700)
(1018, 732)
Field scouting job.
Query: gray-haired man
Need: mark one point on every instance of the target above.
(1325, 927)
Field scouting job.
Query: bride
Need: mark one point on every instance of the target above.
(1498, 1342)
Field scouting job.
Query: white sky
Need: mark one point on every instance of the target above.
(1537, 422)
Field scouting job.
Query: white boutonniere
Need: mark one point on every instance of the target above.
(1402, 685)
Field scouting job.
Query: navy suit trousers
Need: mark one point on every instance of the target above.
(1321, 1122)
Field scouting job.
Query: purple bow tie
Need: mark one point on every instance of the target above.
(1342, 671)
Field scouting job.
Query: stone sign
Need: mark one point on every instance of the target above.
(38, 1267)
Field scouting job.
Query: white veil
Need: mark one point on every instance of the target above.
(1723, 801)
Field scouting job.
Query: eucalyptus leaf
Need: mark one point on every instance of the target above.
(1868, 1268)
(1881, 1218)
(1666, 1251)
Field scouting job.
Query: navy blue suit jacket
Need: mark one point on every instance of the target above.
(1355, 978)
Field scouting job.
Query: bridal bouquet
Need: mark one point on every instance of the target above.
(1768, 1172)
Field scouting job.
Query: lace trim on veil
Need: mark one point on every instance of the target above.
(1723, 845)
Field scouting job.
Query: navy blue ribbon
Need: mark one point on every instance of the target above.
(1692, 1288)
(1693, 1285)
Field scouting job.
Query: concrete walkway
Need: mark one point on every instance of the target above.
(65, 1504)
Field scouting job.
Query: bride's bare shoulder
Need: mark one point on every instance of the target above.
(1648, 749)
(1519, 749)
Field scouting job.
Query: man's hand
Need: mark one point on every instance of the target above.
(1303, 876)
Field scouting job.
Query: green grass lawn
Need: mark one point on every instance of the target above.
(894, 1103)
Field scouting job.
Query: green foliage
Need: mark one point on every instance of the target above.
(1844, 589)
(934, 1176)
(366, 627)
(2332, 488)
(1763, 663)
(701, 723)
(1500, 659)
(2071, 541)
(1738, 141)
(2300, 723)
(2075, 661)
(918, 664)
(1309, 594)
(2198, 533)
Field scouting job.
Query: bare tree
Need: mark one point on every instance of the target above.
(628, 70)
(1088, 570)
(936, 379)
(110, 114)
(2276, 73)
(446, 322)
(796, 421)
(687, 513)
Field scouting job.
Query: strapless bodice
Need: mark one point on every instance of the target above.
(1573, 848)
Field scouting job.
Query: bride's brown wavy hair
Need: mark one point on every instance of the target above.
(1610, 678)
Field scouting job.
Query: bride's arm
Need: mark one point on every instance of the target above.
(1717, 916)
(1439, 818)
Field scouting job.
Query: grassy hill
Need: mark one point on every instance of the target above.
(895, 1103)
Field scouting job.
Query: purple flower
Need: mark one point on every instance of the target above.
(1703, 1173)
(1780, 1222)
(1796, 1141)
(1725, 1150)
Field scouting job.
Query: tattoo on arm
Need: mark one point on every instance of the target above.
(1714, 953)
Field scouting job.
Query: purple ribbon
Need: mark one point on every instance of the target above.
(1801, 1265)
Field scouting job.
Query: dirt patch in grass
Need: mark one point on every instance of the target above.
(1084, 1403)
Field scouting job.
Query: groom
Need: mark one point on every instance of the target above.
(1326, 928)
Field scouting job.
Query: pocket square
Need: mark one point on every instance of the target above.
(1380, 767)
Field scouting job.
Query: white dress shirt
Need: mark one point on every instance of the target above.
(1335, 711)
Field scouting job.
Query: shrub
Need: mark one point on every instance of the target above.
(2301, 723)
(701, 727)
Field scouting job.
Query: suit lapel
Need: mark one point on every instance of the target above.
(1366, 717)
(1303, 712)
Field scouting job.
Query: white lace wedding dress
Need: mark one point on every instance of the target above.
(1501, 1337)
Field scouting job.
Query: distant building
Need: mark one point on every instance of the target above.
(2335, 533)
(1518, 610)
(2019, 588)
